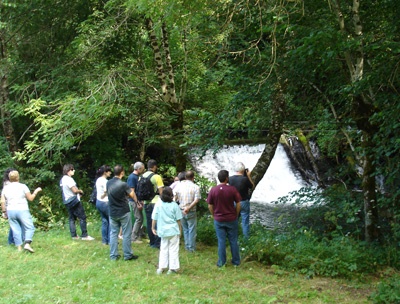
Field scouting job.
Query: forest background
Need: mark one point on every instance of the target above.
(106, 82)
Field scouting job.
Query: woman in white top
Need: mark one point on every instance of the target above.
(103, 174)
(20, 219)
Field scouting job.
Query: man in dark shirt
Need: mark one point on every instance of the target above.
(241, 180)
(221, 203)
(118, 192)
(132, 181)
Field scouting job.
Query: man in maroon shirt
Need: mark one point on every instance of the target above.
(221, 203)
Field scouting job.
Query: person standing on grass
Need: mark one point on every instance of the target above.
(137, 208)
(221, 203)
(188, 195)
(243, 183)
(103, 173)
(6, 181)
(17, 196)
(120, 215)
(166, 217)
(72, 200)
(158, 185)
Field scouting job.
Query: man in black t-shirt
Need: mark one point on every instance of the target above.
(241, 180)
(120, 216)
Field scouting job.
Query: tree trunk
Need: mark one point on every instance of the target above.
(8, 129)
(362, 110)
(166, 77)
(369, 185)
(274, 134)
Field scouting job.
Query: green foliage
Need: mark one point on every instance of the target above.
(306, 253)
(6, 160)
(205, 230)
(329, 213)
(388, 291)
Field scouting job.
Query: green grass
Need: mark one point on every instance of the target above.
(65, 271)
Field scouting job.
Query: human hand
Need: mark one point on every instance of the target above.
(37, 190)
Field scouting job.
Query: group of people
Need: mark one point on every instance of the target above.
(168, 215)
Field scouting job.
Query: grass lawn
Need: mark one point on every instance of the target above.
(65, 271)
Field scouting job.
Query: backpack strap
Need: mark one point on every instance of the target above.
(149, 177)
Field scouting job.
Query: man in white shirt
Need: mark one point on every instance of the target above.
(188, 195)
(71, 198)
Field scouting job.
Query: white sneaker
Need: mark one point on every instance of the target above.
(87, 238)
(159, 271)
(28, 247)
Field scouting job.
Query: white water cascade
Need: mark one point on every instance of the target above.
(278, 181)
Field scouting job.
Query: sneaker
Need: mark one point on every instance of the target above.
(87, 238)
(159, 271)
(172, 271)
(28, 247)
(138, 242)
(75, 237)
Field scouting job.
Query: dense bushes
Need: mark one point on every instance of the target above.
(388, 291)
(309, 255)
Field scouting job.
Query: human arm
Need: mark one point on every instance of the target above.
(31, 196)
(238, 208)
(180, 226)
(153, 226)
(76, 190)
(211, 208)
(133, 196)
(3, 206)
(248, 174)
(159, 183)
(190, 206)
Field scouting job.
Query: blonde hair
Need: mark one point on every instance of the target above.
(14, 176)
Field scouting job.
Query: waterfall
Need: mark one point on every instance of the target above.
(278, 181)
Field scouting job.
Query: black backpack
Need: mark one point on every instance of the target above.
(145, 188)
(93, 196)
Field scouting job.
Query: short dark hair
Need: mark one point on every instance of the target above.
(223, 175)
(151, 163)
(118, 169)
(67, 168)
(167, 195)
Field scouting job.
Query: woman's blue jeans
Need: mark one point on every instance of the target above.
(105, 221)
(21, 221)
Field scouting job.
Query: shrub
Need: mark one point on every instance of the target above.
(388, 291)
(205, 230)
(309, 255)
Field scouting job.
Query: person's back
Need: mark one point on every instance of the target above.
(117, 196)
(120, 218)
(221, 203)
(242, 184)
(166, 218)
(223, 198)
(149, 204)
(241, 180)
